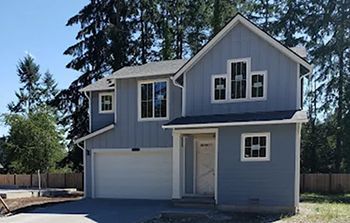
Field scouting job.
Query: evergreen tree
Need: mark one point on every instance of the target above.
(29, 94)
(48, 88)
(102, 46)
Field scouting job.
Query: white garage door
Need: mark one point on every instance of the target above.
(144, 174)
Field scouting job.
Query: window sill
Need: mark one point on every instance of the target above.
(152, 119)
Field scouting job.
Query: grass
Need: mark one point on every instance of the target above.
(322, 208)
(314, 208)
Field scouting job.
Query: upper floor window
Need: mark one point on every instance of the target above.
(255, 147)
(106, 102)
(240, 83)
(219, 87)
(153, 100)
(258, 84)
(238, 73)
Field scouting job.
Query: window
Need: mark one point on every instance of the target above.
(258, 85)
(153, 103)
(255, 147)
(238, 71)
(106, 102)
(219, 88)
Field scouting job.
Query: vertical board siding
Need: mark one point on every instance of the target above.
(98, 120)
(128, 131)
(240, 42)
(266, 182)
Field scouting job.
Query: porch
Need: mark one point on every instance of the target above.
(195, 166)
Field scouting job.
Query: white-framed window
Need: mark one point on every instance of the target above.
(153, 102)
(255, 146)
(258, 85)
(238, 72)
(241, 84)
(106, 104)
(219, 86)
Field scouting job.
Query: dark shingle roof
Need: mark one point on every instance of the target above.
(236, 117)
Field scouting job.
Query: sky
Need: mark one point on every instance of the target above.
(36, 27)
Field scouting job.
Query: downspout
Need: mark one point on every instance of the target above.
(183, 95)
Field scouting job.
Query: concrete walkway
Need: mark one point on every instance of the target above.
(88, 211)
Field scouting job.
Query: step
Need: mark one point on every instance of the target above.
(202, 202)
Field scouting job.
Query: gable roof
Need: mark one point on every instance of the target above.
(165, 67)
(239, 18)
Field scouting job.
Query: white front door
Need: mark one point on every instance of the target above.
(205, 166)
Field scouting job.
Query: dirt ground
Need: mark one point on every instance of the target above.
(16, 205)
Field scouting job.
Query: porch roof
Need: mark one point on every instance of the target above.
(256, 118)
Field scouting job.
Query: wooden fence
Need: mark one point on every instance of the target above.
(48, 180)
(325, 183)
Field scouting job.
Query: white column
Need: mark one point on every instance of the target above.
(176, 165)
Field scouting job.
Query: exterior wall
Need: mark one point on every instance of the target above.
(240, 42)
(189, 164)
(99, 120)
(128, 131)
(259, 183)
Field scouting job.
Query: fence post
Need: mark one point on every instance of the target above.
(330, 183)
(14, 179)
(65, 180)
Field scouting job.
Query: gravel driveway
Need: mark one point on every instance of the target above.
(88, 211)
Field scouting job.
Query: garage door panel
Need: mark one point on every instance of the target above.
(134, 175)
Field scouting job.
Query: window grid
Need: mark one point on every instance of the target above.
(255, 147)
(257, 85)
(106, 103)
(219, 88)
(238, 80)
(153, 100)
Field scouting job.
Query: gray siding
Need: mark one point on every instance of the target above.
(240, 42)
(99, 120)
(128, 131)
(189, 167)
(272, 182)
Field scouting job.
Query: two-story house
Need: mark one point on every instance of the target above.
(224, 125)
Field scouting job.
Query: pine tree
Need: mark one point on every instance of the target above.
(29, 94)
(328, 29)
(102, 46)
(48, 88)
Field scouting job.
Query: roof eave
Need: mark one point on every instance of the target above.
(93, 134)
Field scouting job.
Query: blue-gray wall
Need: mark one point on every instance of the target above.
(272, 182)
(240, 42)
(128, 131)
(99, 120)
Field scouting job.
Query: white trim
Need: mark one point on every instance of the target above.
(100, 95)
(297, 163)
(132, 75)
(240, 19)
(264, 97)
(97, 89)
(213, 77)
(85, 169)
(176, 193)
(177, 189)
(268, 146)
(93, 134)
(298, 117)
(184, 95)
(115, 101)
(139, 118)
(196, 142)
(94, 151)
(247, 60)
(298, 87)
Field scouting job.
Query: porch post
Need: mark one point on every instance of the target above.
(176, 165)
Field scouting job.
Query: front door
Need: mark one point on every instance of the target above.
(205, 167)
